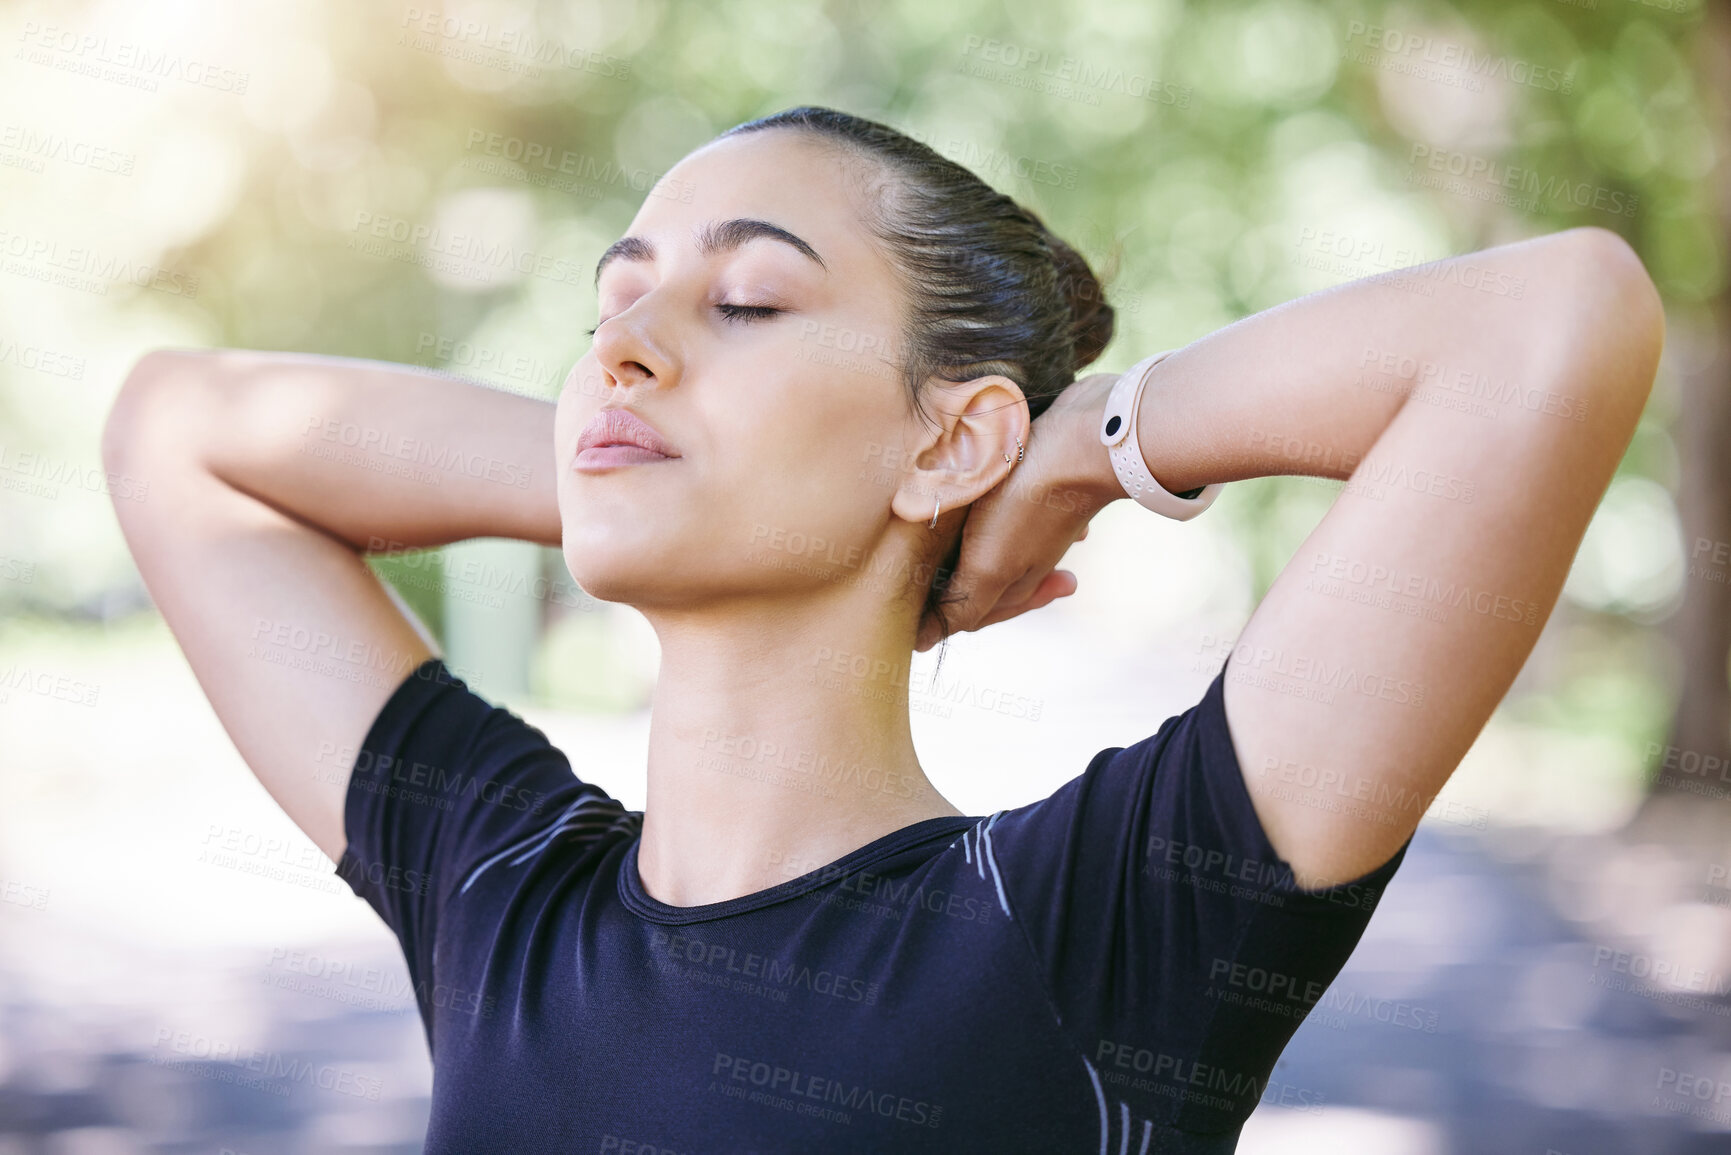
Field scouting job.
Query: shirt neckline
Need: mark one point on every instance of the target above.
(641, 903)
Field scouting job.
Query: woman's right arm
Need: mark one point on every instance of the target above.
(268, 476)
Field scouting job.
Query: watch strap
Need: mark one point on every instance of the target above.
(1118, 435)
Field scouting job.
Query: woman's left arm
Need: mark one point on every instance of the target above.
(1477, 408)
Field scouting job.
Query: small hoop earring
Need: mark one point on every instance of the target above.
(937, 505)
(1018, 460)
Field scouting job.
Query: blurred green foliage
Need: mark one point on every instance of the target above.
(1198, 153)
(1256, 122)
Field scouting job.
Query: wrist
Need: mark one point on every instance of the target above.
(1088, 470)
(1121, 432)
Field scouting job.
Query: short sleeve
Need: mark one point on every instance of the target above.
(444, 784)
(1180, 955)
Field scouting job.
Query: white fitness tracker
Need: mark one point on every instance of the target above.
(1118, 435)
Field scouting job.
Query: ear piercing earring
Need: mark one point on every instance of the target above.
(938, 505)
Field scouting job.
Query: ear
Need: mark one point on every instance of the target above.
(978, 422)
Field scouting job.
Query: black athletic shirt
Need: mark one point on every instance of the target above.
(1113, 969)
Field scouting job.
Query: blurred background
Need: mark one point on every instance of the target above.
(180, 970)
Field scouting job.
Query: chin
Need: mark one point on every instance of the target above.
(611, 573)
(632, 565)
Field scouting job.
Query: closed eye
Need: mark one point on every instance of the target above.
(733, 313)
(747, 312)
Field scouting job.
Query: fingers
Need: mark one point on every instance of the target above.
(1057, 584)
(996, 568)
(994, 573)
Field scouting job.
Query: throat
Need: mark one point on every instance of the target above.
(695, 856)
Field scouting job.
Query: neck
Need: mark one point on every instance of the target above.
(778, 743)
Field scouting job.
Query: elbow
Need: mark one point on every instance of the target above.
(140, 397)
(1617, 321)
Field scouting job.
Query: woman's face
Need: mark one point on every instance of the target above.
(768, 374)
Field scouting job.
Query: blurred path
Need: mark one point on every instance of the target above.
(1470, 1022)
(1473, 1011)
(162, 993)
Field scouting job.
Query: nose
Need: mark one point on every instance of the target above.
(627, 352)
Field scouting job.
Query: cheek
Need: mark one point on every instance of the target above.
(801, 469)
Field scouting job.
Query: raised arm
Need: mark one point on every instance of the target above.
(268, 476)
(1477, 408)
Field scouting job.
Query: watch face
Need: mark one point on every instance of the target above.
(1120, 403)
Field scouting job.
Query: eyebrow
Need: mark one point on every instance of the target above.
(715, 237)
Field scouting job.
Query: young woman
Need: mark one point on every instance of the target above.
(842, 337)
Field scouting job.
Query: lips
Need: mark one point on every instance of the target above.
(620, 437)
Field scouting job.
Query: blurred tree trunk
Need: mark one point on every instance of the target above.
(1701, 629)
